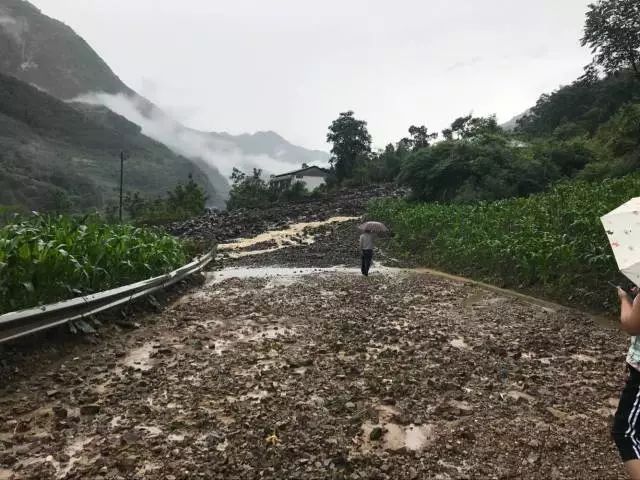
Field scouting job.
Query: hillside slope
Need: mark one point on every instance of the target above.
(50, 150)
(275, 146)
(48, 54)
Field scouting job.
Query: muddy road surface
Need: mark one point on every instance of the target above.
(306, 371)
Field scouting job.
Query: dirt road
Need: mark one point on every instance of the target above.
(318, 373)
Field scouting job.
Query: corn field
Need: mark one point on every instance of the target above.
(551, 243)
(44, 259)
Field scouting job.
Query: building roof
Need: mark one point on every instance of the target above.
(321, 171)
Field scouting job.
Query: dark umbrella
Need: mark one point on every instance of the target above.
(373, 227)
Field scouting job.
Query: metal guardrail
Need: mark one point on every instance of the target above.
(26, 322)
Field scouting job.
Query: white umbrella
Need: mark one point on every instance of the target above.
(623, 229)
(374, 227)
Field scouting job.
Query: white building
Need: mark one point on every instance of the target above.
(312, 177)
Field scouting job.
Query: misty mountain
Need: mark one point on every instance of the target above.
(53, 151)
(273, 145)
(511, 125)
(49, 55)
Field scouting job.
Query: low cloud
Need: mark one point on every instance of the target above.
(220, 154)
(13, 27)
(465, 64)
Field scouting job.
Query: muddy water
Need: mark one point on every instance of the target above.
(139, 358)
(394, 436)
(293, 236)
(285, 276)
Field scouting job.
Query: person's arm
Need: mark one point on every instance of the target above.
(629, 313)
(361, 240)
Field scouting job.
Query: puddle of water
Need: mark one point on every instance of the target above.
(287, 276)
(270, 334)
(396, 437)
(150, 429)
(72, 451)
(584, 358)
(148, 467)
(139, 358)
(115, 422)
(102, 388)
(459, 343)
(282, 238)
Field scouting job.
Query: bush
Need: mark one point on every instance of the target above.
(552, 242)
(50, 258)
(251, 191)
(184, 202)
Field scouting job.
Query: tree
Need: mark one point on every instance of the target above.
(469, 127)
(485, 167)
(248, 191)
(612, 31)
(190, 198)
(183, 202)
(351, 144)
(421, 137)
(586, 103)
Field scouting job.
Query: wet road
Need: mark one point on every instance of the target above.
(315, 373)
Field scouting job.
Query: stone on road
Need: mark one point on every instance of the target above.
(325, 375)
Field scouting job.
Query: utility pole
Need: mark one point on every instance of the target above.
(122, 157)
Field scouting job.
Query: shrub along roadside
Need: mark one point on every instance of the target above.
(551, 243)
(44, 259)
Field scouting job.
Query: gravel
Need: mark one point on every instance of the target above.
(328, 375)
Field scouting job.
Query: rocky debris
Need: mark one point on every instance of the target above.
(89, 409)
(59, 412)
(376, 434)
(323, 376)
(335, 244)
(222, 226)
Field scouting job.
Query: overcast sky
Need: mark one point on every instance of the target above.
(292, 65)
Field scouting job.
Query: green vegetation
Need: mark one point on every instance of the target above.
(552, 243)
(49, 258)
(251, 191)
(182, 203)
(351, 145)
(613, 34)
(589, 130)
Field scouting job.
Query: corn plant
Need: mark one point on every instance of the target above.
(551, 243)
(50, 258)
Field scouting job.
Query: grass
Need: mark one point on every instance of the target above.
(44, 259)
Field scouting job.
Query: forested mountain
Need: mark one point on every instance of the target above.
(49, 55)
(55, 153)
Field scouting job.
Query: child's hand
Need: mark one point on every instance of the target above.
(623, 295)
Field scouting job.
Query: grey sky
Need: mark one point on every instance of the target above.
(293, 65)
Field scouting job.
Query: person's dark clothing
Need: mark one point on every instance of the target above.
(626, 423)
(367, 258)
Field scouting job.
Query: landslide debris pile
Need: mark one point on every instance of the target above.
(222, 226)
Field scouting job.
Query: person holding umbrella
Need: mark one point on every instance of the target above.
(626, 424)
(623, 229)
(367, 243)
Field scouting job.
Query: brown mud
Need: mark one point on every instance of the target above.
(290, 365)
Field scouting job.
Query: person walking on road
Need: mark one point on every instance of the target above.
(366, 246)
(626, 424)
